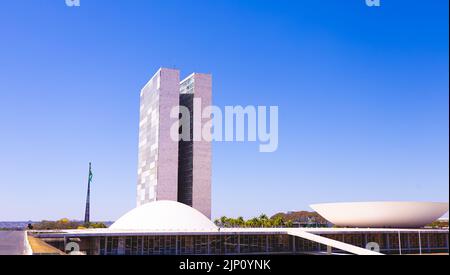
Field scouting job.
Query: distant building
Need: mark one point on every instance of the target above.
(170, 169)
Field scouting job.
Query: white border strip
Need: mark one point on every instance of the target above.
(27, 246)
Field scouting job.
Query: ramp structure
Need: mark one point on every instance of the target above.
(331, 243)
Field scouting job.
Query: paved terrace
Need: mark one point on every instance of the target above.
(14, 243)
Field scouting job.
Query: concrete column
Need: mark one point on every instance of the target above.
(65, 243)
(121, 247)
(106, 245)
(420, 243)
(294, 249)
(239, 243)
(409, 242)
(97, 245)
(388, 243)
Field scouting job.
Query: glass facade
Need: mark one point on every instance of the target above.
(186, 156)
(195, 245)
(266, 244)
(395, 243)
(262, 243)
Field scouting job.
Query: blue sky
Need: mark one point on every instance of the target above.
(362, 95)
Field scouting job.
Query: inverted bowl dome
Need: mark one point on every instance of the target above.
(382, 214)
(164, 216)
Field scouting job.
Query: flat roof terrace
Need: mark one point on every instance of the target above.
(307, 240)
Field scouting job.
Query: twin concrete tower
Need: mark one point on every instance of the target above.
(170, 169)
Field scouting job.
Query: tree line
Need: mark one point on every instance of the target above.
(64, 224)
(262, 221)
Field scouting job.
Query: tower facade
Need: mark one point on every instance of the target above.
(194, 158)
(168, 169)
(158, 153)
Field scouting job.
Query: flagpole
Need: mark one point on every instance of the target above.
(87, 211)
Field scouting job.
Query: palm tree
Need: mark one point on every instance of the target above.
(256, 222)
(223, 221)
(262, 220)
(240, 221)
(248, 223)
(267, 223)
(289, 223)
(278, 221)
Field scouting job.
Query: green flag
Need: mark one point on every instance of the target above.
(90, 173)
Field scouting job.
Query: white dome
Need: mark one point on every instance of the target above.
(164, 216)
(382, 214)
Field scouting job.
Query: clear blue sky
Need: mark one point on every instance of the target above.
(362, 92)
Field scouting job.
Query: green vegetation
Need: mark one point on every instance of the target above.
(261, 221)
(291, 219)
(303, 219)
(65, 224)
(8, 229)
(439, 224)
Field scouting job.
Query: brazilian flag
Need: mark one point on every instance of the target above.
(90, 173)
